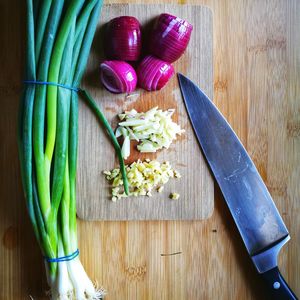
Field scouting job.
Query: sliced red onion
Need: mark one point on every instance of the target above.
(170, 37)
(154, 73)
(118, 76)
(123, 39)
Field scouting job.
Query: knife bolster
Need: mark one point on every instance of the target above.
(267, 260)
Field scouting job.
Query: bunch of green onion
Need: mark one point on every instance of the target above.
(59, 37)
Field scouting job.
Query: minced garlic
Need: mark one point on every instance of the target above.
(153, 130)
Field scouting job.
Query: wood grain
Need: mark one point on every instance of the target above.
(95, 149)
(125, 257)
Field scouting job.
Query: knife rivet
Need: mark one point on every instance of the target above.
(276, 285)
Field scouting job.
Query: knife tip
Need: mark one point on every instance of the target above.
(181, 78)
(179, 75)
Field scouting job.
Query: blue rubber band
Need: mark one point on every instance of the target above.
(52, 83)
(63, 258)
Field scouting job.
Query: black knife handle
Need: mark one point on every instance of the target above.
(278, 286)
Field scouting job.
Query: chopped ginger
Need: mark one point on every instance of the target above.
(160, 189)
(143, 178)
(177, 174)
(174, 196)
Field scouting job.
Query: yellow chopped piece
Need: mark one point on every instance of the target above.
(142, 193)
(174, 196)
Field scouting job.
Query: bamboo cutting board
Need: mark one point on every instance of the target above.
(95, 149)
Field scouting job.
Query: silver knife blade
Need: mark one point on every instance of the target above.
(247, 197)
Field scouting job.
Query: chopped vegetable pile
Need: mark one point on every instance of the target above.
(143, 178)
(154, 130)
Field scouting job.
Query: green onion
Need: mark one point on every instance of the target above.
(59, 38)
(111, 134)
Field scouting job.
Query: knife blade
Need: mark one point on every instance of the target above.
(251, 206)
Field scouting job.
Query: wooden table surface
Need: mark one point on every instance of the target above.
(257, 88)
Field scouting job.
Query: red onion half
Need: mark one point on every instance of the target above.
(123, 39)
(170, 37)
(154, 73)
(118, 76)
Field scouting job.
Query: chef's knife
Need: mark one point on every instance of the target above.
(252, 208)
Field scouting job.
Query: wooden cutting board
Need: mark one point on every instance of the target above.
(95, 149)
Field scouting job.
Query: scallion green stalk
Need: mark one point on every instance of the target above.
(111, 134)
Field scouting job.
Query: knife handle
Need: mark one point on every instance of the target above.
(278, 286)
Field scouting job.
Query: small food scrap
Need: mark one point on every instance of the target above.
(174, 196)
(177, 174)
(160, 189)
(153, 129)
(143, 178)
